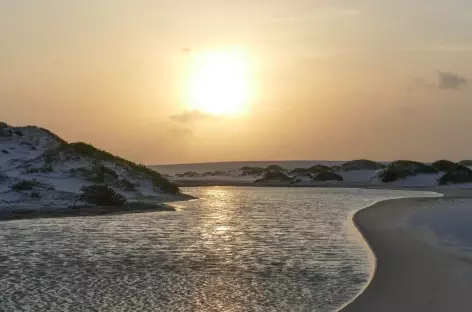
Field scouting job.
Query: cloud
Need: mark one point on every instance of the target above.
(193, 116)
(450, 81)
(446, 81)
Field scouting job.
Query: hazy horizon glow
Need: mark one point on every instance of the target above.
(194, 81)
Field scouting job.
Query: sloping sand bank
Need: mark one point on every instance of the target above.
(416, 269)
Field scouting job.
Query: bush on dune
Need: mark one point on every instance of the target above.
(327, 176)
(319, 169)
(28, 185)
(300, 171)
(460, 174)
(275, 168)
(101, 195)
(88, 150)
(274, 177)
(401, 169)
(413, 167)
(361, 164)
(444, 165)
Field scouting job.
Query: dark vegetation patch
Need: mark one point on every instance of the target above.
(97, 174)
(214, 173)
(5, 152)
(188, 174)
(274, 176)
(300, 171)
(460, 174)
(401, 169)
(319, 169)
(90, 151)
(101, 195)
(35, 194)
(444, 165)
(55, 136)
(361, 164)
(327, 176)
(28, 185)
(274, 168)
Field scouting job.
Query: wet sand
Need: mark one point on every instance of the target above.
(413, 271)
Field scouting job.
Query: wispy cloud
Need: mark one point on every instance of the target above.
(445, 81)
(193, 116)
(451, 81)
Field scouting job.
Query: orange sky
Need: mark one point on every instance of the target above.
(329, 80)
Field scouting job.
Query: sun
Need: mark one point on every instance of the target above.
(218, 82)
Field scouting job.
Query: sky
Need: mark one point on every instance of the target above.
(327, 80)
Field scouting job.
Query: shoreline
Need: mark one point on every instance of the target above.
(88, 211)
(380, 186)
(409, 272)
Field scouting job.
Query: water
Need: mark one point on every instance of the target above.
(236, 249)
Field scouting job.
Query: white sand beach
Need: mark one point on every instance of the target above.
(423, 251)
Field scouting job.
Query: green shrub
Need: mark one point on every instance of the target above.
(460, 174)
(274, 176)
(55, 136)
(319, 169)
(28, 185)
(444, 165)
(401, 169)
(412, 167)
(300, 171)
(101, 195)
(101, 172)
(51, 156)
(274, 168)
(23, 186)
(327, 176)
(361, 164)
(88, 150)
(390, 175)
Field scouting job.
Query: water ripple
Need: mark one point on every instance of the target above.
(236, 249)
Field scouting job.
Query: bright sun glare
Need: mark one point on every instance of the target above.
(218, 82)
